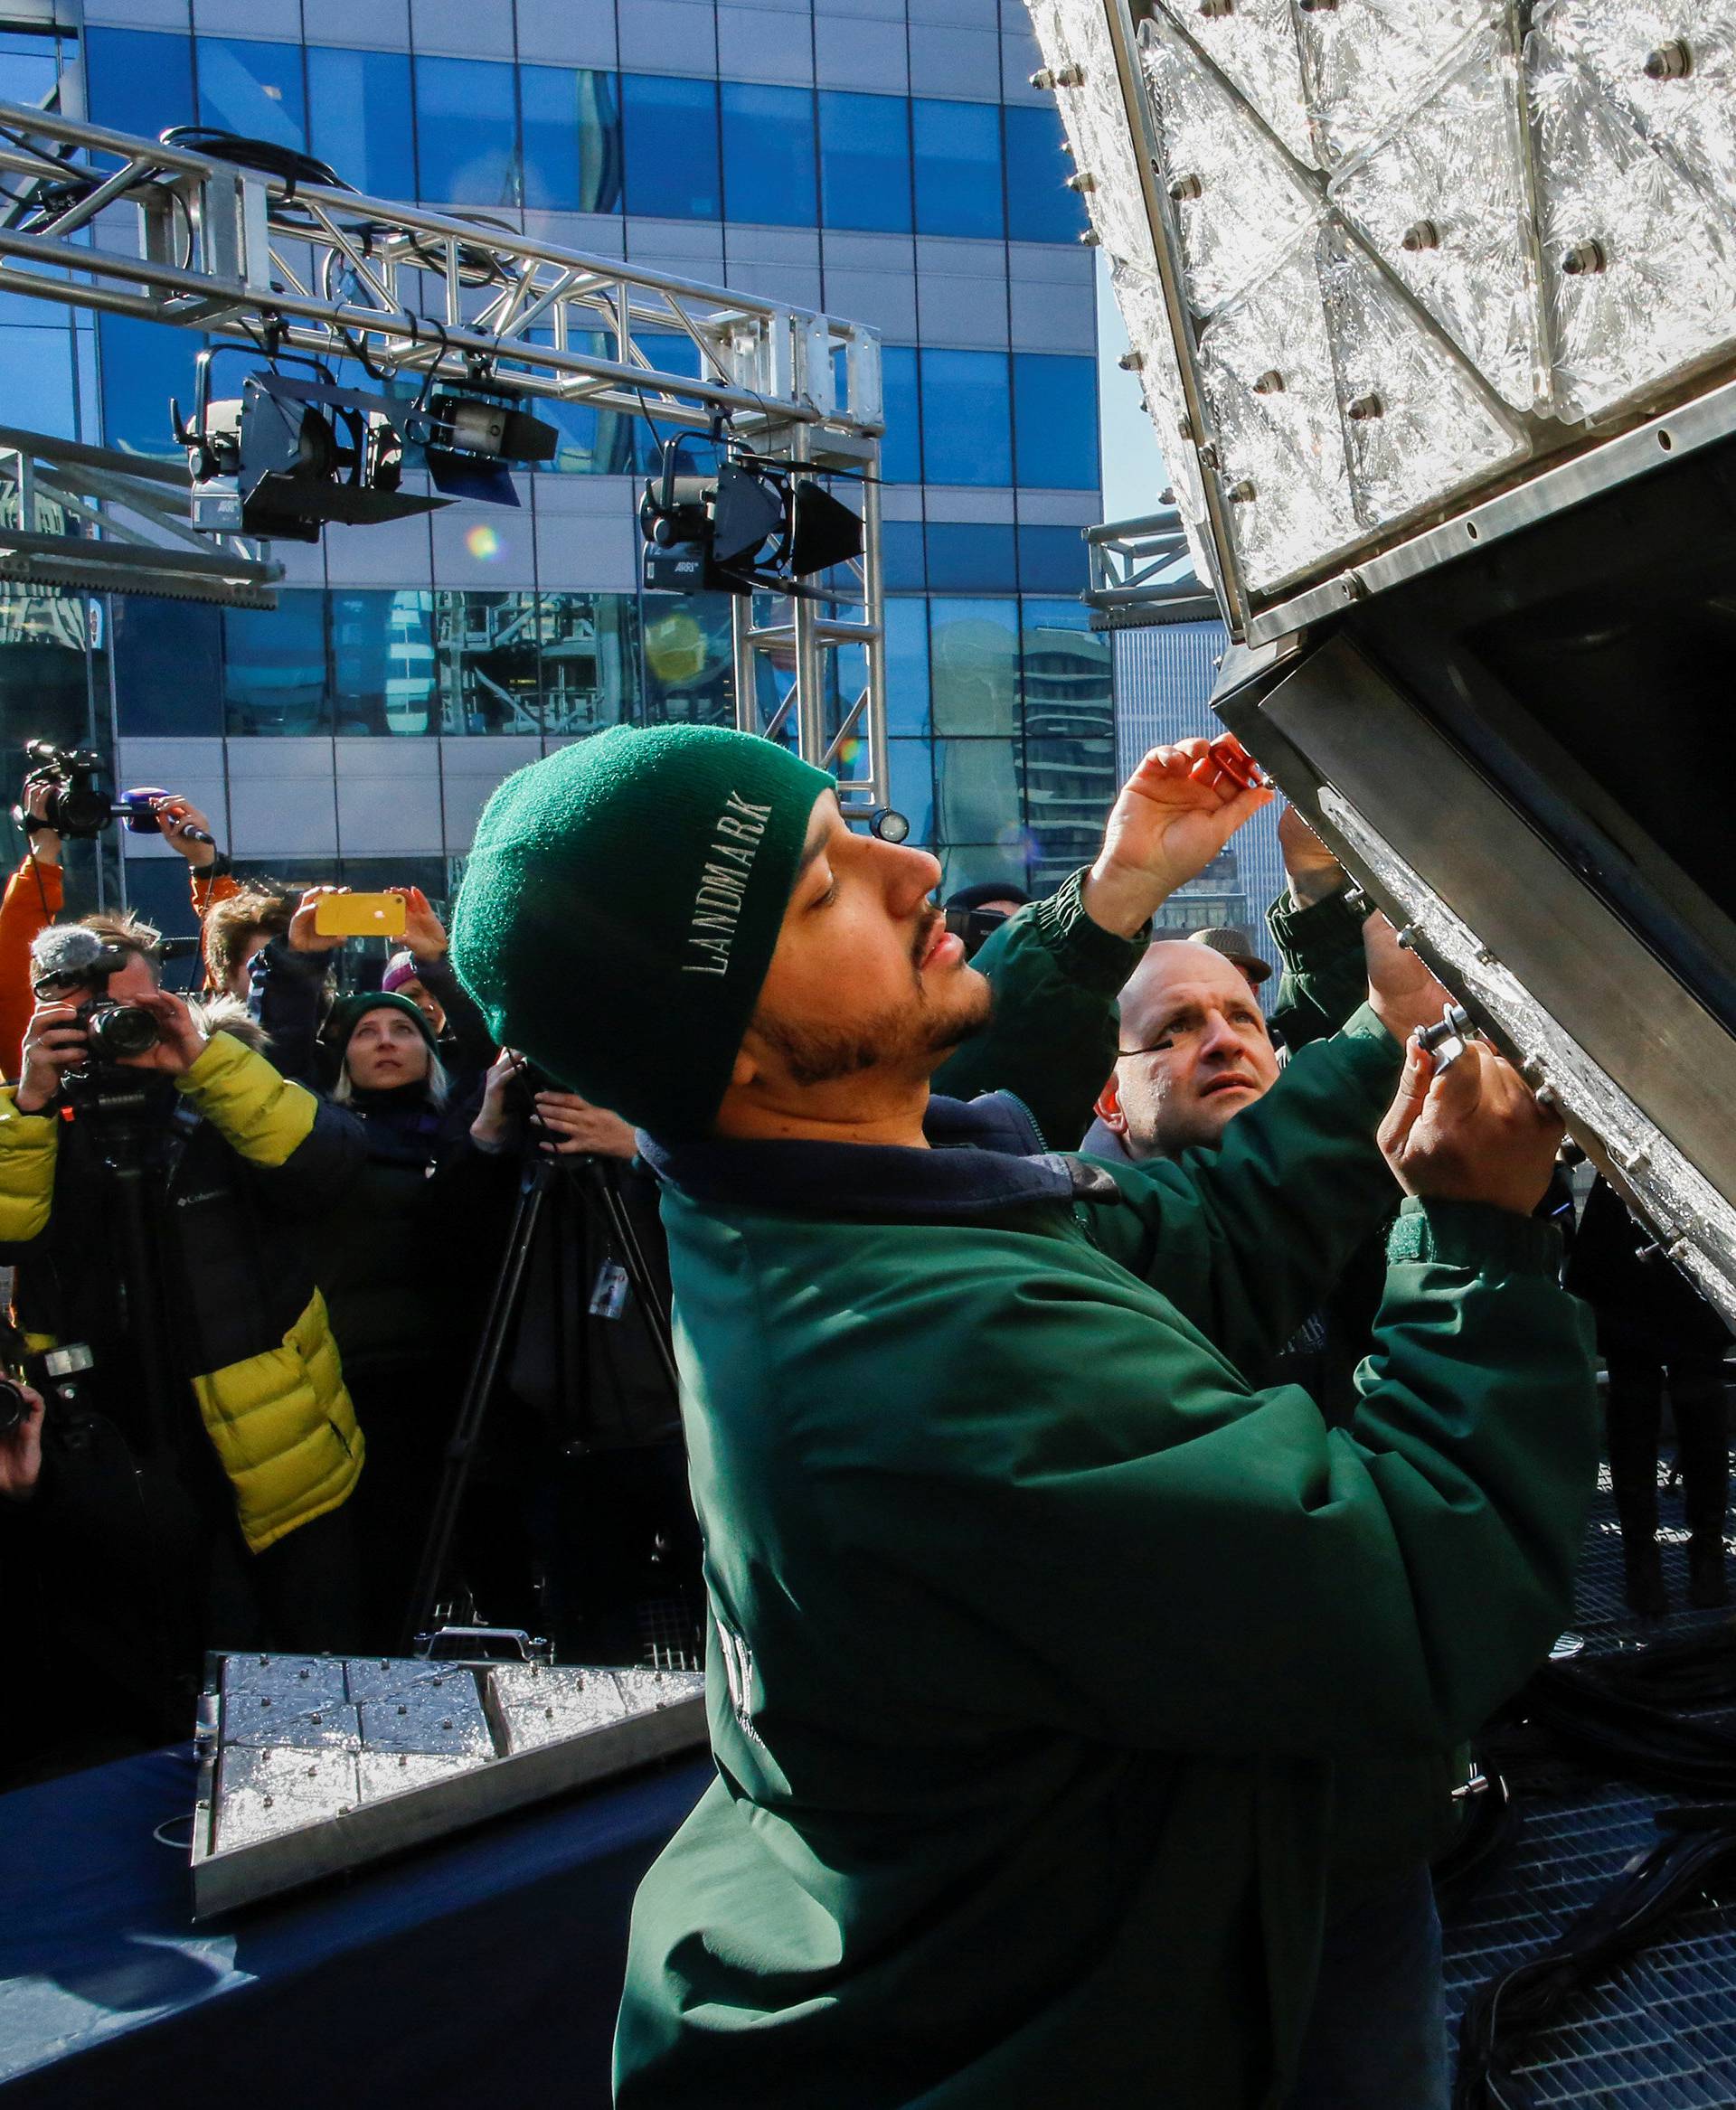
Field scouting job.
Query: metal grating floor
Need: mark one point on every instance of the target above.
(1661, 2035)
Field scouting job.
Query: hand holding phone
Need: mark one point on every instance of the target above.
(346, 915)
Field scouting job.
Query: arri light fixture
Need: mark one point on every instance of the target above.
(1433, 304)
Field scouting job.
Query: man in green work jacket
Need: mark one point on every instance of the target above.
(1039, 1633)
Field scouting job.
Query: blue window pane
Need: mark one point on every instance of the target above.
(359, 119)
(970, 557)
(967, 435)
(254, 90)
(768, 163)
(909, 773)
(957, 147)
(1053, 560)
(974, 672)
(168, 666)
(138, 81)
(900, 451)
(382, 662)
(1039, 205)
(865, 163)
(30, 67)
(37, 360)
(467, 146)
(671, 354)
(901, 561)
(670, 127)
(572, 139)
(143, 365)
(274, 667)
(907, 665)
(1054, 420)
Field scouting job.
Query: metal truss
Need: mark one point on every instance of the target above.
(93, 520)
(1142, 572)
(105, 220)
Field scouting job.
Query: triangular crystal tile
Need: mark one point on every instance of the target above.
(1236, 202)
(1266, 368)
(1639, 267)
(1671, 64)
(1417, 425)
(1253, 42)
(1075, 44)
(1365, 61)
(1444, 199)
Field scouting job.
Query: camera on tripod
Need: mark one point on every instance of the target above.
(52, 1372)
(79, 806)
(73, 959)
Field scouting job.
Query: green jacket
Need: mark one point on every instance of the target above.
(1038, 1633)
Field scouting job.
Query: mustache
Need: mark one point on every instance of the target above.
(932, 919)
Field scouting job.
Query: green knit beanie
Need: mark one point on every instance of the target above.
(348, 1013)
(621, 905)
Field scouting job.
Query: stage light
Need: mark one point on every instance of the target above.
(287, 455)
(1416, 248)
(749, 526)
(466, 436)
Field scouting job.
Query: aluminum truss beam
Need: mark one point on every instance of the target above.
(94, 520)
(105, 220)
(1142, 572)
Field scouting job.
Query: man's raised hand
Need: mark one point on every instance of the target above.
(1174, 815)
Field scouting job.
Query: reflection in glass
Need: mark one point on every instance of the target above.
(670, 127)
(974, 658)
(590, 661)
(688, 665)
(382, 662)
(485, 648)
(254, 90)
(768, 161)
(358, 112)
(138, 81)
(1054, 420)
(1070, 778)
(1039, 205)
(37, 360)
(467, 147)
(572, 123)
(865, 162)
(958, 159)
(966, 427)
(274, 667)
(977, 796)
(911, 773)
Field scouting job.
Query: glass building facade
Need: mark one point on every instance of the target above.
(885, 160)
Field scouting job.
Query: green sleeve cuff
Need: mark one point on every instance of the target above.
(1087, 953)
(1309, 937)
(1472, 1235)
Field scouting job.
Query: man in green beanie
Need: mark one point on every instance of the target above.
(1038, 1631)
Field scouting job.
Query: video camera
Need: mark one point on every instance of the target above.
(79, 807)
(51, 1372)
(71, 958)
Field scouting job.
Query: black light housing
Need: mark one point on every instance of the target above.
(749, 526)
(286, 456)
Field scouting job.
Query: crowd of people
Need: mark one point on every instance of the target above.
(1127, 1442)
(266, 1244)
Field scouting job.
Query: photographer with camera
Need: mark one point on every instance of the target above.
(155, 1181)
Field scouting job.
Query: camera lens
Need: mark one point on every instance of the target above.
(115, 1030)
(13, 1405)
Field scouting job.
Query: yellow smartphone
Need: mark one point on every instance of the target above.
(359, 916)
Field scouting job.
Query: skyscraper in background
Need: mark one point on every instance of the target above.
(1163, 675)
(885, 160)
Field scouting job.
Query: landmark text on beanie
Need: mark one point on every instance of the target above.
(621, 905)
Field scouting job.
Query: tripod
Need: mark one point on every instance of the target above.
(536, 1181)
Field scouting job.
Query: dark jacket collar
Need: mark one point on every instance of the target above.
(985, 1158)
